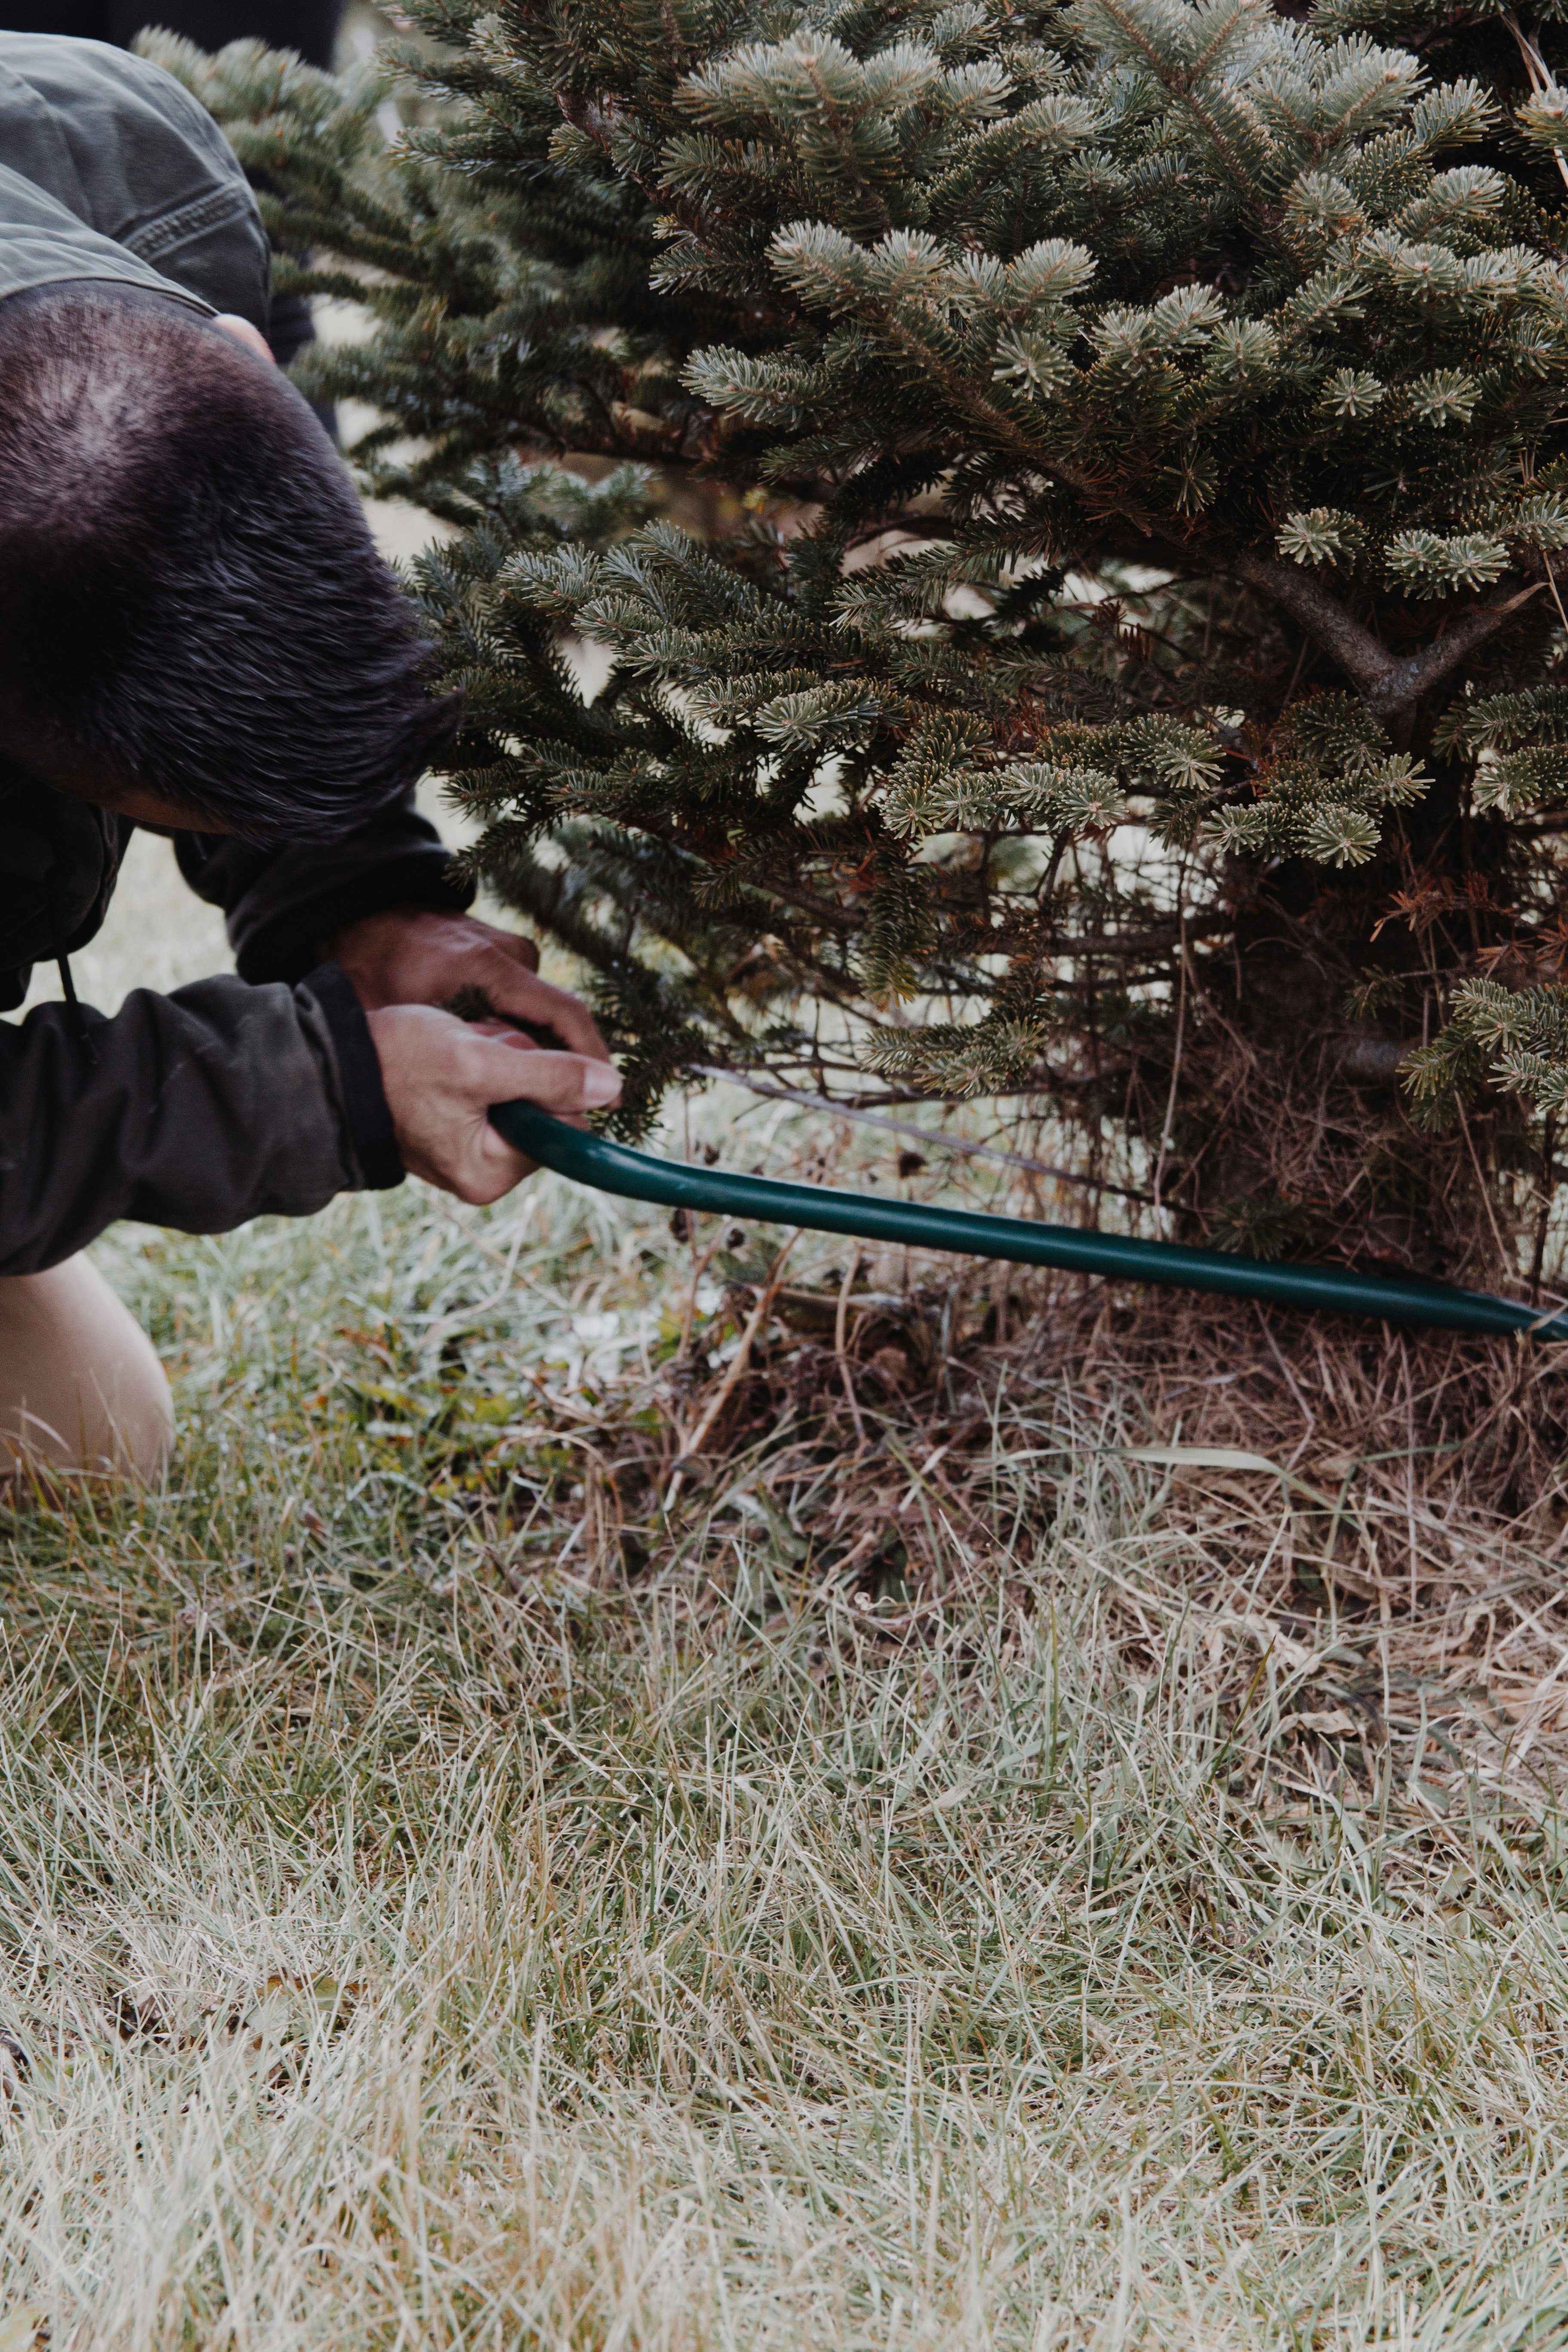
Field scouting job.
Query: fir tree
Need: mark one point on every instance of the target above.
(1076, 500)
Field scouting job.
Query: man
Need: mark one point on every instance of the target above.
(197, 634)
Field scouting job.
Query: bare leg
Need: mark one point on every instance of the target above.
(80, 1388)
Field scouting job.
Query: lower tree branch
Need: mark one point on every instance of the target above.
(1385, 683)
(1409, 680)
(1363, 658)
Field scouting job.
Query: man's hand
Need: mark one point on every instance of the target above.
(441, 1075)
(411, 955)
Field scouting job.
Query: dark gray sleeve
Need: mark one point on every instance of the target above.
(281, 904)
(198, 1110)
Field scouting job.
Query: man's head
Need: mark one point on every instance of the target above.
(191, 609)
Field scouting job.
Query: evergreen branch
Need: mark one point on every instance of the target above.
(1204, 268)
(1180, 81)
(845, 151)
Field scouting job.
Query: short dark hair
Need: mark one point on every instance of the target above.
(189, 598)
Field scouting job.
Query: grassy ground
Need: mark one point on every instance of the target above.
(1006, 1871)
(445, 1901)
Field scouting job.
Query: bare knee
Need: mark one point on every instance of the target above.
(80, 1385)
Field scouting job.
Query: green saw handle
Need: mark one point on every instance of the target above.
(1329, 1289)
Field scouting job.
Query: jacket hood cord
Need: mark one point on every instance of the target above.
(62, 959)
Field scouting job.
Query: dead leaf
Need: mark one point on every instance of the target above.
(1222, 1457)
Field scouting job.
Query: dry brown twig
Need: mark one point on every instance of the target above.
(692, 1446)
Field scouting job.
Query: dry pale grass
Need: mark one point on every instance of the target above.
(932, 1864)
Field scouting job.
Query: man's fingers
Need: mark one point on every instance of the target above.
(523, 951)
(512, 1071)
(519, 995)
(414, 956)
